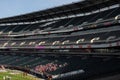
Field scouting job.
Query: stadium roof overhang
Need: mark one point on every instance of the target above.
(64, 10)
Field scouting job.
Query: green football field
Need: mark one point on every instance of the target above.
(16, 76)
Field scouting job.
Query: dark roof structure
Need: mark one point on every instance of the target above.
(64, 10)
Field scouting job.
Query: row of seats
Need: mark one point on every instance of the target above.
(80, 39)
(63, 23)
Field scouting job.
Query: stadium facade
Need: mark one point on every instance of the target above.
(77, 41)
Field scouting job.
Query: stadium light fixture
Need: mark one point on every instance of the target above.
(1, 32)
(9, 32)
(117, 17)
(94, 39)
(32, 43)
(22, 43)
(55, 42)
(5, 44)
(43, 42)
(80, 40)
(110, 38)
(66, 41)
(13, 43)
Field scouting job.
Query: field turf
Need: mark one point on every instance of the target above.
(16, 76)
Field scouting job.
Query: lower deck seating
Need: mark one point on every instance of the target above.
(62, 64)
